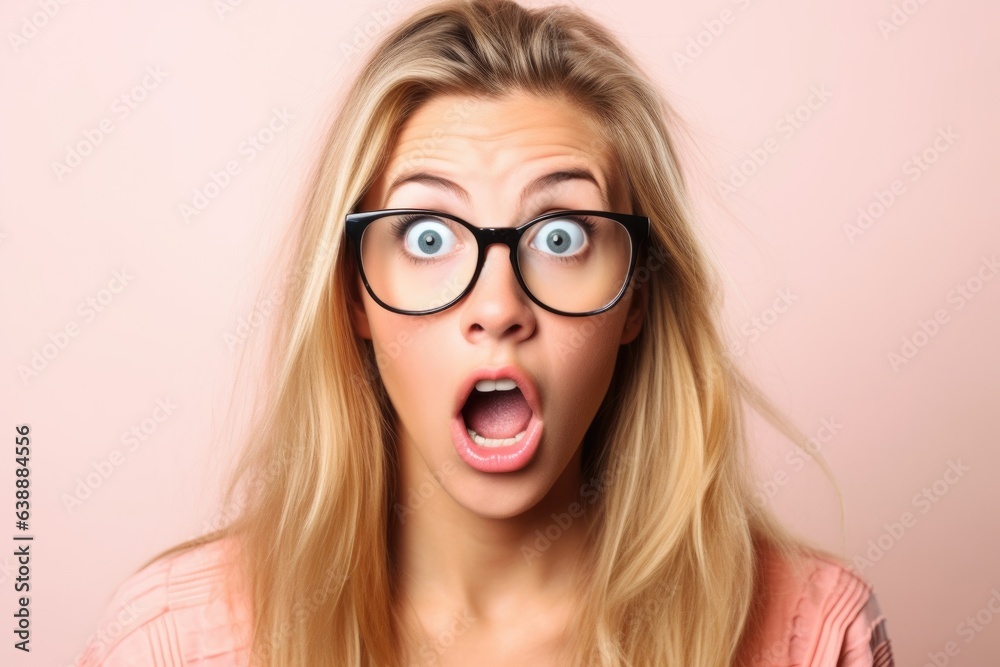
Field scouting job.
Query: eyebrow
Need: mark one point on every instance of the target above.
(539, 183)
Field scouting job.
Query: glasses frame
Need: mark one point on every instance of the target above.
(637, 226)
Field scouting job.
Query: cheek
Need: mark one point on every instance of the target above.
(589, 339)
(411, 360)
(582, 357)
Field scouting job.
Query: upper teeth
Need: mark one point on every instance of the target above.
(505, 384)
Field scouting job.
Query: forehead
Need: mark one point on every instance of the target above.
(508, 139)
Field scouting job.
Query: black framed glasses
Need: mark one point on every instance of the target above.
(569, 262)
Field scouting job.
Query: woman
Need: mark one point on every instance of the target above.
(475, 454)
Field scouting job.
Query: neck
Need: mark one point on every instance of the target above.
(451, 558)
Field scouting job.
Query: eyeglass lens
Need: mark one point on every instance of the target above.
(574, 263)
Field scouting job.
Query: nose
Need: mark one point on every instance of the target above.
(496, 305)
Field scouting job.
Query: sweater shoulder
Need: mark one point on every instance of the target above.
(180, 608)
(816, 610)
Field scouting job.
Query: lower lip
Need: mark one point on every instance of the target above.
(496, 459)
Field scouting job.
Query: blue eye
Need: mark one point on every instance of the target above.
(425, 237)
(562, 236)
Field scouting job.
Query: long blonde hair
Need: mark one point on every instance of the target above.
(677, 544)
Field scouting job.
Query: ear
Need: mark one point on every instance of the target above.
(636, 311)
(359, 316)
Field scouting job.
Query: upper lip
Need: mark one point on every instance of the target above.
(518, 375)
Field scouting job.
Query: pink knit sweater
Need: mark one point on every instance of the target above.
(175, 612)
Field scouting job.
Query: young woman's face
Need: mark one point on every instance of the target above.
(479, 160)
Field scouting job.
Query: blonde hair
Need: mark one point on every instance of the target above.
(678, 539)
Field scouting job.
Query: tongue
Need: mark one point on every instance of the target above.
(497, 414)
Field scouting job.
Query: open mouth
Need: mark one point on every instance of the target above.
(497, 419)
(496, 413)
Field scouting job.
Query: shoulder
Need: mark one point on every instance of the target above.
(818, 612)
(177, 609)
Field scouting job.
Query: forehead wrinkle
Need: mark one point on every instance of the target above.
(431, 180)
(483, 143)
(538, 186)
(543, 184)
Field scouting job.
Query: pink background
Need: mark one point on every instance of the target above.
(822, 352)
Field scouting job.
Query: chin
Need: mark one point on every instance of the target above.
(501, 496)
